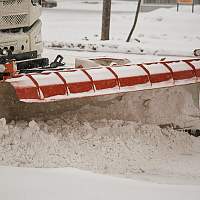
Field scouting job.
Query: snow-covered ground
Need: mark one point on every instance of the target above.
(162, 32)
(106, 139)
(61, 184)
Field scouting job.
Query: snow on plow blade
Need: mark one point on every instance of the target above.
(78, 83)
(74, 88)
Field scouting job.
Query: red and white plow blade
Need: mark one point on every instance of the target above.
(77, 83)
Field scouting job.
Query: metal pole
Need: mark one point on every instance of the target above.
(105, 31)
(177, 6)
(135, 21)
(193, 6)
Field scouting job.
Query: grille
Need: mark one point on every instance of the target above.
(13, 20)
(11, 2)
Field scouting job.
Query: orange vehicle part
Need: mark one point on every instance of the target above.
(54, 91)
(10, 69)
(97, 81)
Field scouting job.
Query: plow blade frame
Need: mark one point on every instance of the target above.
(51, 93)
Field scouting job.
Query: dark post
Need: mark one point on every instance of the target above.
(193, 2)
(135, 21)
(105, 31)
(177, 6)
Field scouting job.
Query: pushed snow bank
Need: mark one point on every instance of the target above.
(54, 184)
(113, 147)
(119, 47)
(110, 136)
(100, 46)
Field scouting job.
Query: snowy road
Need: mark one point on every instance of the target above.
(62, 184)
(105, 139)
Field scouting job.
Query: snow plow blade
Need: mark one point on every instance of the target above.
(36, 94)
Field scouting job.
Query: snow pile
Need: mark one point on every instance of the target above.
(168, 32)
(166, 105)
(103, 46)
(112, 147)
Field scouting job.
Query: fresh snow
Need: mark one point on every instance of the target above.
(163, 32)
(125, 141)
(62, 184)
